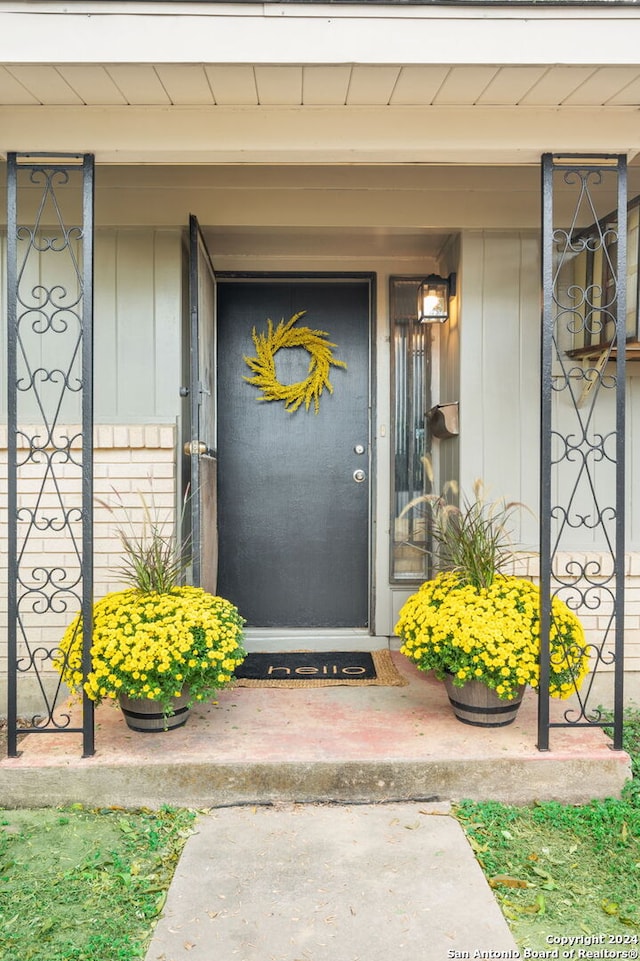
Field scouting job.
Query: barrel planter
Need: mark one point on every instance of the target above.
(145, 715)
(476, 704)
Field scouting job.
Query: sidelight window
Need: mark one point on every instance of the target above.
(411, 399)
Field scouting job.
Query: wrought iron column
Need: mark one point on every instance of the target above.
(585, 325)
(50, 433)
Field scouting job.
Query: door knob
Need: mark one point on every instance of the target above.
(359, 476)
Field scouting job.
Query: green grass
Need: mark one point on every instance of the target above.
(559, 870)
(85, 885)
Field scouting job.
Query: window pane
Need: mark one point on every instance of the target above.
(411, 384)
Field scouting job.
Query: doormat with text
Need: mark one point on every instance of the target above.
(318, 669)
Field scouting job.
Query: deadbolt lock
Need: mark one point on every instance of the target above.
(359, 476)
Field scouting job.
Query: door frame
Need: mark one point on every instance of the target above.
(326, 637)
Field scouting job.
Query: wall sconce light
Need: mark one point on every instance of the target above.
(433, 298)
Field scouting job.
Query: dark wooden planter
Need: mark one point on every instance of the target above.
(142, 714)
(475, 703)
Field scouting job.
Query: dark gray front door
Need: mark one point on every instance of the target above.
(293, 521)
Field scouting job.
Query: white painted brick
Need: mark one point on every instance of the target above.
(131, 470)
(120, 455)
(103, 436)
(137, 437)
(163, 485)
(152, 436)
(103, 545)
(167, 437)
(120, 436)
(163, 469)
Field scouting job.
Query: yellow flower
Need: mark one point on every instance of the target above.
(155, 644)
(492, 634)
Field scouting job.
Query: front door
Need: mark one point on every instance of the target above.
(293, 486)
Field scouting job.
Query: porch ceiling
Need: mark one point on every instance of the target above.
(357, 85)
(305, 113)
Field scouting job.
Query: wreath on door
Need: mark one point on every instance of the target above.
(286, 334)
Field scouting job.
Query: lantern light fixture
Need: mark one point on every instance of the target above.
(433, 298)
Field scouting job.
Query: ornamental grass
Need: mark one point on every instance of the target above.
(491, 634)
(156, 645)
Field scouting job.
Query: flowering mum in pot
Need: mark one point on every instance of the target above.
(472, 621)
(155, 640)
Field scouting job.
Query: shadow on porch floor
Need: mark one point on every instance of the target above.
(349, 744)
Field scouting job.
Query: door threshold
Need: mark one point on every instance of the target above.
(272, 639)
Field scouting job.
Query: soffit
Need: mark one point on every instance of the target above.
(337, 85)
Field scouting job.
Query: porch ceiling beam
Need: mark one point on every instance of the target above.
(290, 33)
(235, 135)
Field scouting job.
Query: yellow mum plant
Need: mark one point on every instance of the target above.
(491, 634)
(154, 645)
(473, 621)
(157, 639)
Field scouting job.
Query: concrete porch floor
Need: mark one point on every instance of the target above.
(346, 744)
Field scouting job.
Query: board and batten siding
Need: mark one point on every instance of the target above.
(138, 324)
(137, 327)
(499, 284)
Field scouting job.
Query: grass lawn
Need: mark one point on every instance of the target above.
(561, 871)
(85, 885)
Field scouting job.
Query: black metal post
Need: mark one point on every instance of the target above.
(12, 559)
(545, 449)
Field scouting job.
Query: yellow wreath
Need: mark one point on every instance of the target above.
(264, 368)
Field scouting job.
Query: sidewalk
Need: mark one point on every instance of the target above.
(384, 882)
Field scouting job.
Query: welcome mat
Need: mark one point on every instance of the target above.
(318, 669)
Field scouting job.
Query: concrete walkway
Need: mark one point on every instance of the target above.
(384, 882)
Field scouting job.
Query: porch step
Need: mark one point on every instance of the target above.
(347, 744)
